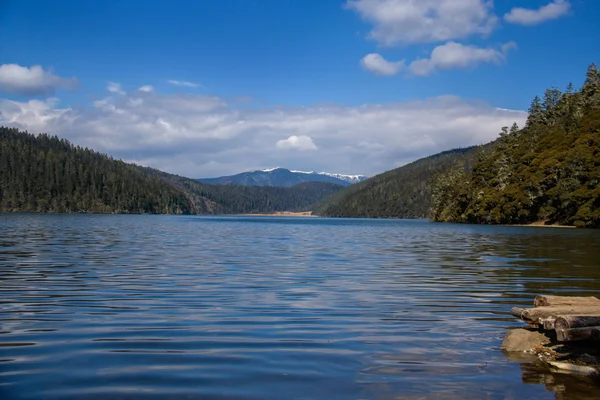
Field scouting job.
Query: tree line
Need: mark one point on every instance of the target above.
(43, 173)
(548, 171)
(403, 192)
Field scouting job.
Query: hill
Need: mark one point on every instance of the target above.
(46, 174)
(237, 199)
(283, 178)
(404, 192)
(548, 171)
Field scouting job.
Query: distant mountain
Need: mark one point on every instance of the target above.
(282, 177)
(46, 174)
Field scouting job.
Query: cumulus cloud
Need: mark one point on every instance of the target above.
(182, 83)
(203, 136)
(378, 65)
(454, 55)
(302, 142)
(32, 81)
(409, 21)
(525, 16)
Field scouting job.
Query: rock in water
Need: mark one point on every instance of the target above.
(523, 340)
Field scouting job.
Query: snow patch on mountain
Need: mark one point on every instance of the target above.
(343, 177)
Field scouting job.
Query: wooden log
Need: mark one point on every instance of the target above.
(576, 334)
(539, 313)
(576, 321)
(548, 301)
(548, 323)
(517, 312)
(573, 368)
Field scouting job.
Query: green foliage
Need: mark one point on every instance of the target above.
(46, 174)
(401, 193)
(549, 171)
(234, 199)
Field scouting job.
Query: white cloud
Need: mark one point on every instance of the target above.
(182, 83)
(114, 87)
(146, 88)
(378, 65)
(302, 142)
(202, 136)
(32, 81)
(411, 21)
(454, 55)
(524, 16)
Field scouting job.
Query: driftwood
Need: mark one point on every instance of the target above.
(575, 334)
(572, 368)
(548, 323)
(556, 301)
(573, 318)
(576, 321)
(560, 320)
(538, 314)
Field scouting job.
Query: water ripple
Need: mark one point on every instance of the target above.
(98, 306)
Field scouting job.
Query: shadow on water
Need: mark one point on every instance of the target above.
(97, 306)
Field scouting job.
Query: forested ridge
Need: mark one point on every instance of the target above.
(404, 192)
(547, 171)
(46, 174)
(227, 199)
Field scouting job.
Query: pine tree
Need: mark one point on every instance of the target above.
(535, 111)
(591, 87)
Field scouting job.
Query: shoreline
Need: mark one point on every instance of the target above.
(542, 224)
(281, 214)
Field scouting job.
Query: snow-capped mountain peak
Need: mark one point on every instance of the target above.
(283, 177)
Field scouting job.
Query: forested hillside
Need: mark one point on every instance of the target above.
(237, 199)
(46, 174)
(404, 192)
(548, 171)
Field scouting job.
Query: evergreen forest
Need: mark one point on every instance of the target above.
(404, 192)
(546, 172)
(46, 174)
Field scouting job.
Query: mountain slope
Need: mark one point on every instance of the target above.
(237, 199)
(404, 192)
(548, 171)
(46, 174)
(282, 177)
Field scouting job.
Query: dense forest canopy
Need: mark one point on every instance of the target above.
(46, 174)
(547, 171)
(404, 192)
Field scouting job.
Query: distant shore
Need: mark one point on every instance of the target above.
(542, 224)
(282, 214)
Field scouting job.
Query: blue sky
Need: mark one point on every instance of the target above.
(349, 86)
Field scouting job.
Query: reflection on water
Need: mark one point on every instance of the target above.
(100, 306)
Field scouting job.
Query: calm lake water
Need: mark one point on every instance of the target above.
(103, 306)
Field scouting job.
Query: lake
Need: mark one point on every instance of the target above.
(124, 307)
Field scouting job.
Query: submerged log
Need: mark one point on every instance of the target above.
(576, 334)
(576, 321)
(573, 368)
(541, 313)
(545, 301)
